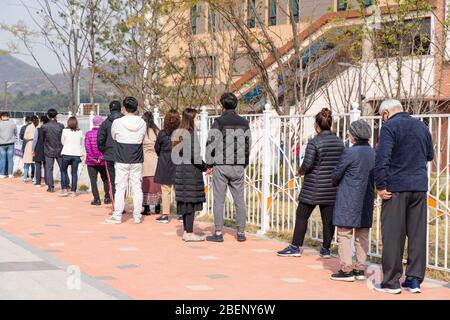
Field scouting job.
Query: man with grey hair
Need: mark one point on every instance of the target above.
(401, 179)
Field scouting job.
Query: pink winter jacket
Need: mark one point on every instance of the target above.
(93, 156)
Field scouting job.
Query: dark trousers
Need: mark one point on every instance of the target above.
(112, 176)
(49, 163)
(188, 222)
(93, 172)
(38, 171)
(73, 161)
(404, 215)
(301, 223)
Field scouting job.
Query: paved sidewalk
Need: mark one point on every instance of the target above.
(149, 261)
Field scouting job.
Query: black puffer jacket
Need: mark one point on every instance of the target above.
(189, 185)
(321, 157)
(105, 142)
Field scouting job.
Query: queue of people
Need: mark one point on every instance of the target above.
(130, 150)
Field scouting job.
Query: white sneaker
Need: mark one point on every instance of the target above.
(63, 193)
(2, 176)
(192, 237)
(137, 220)
(113, 221)
(379, 287)
(11, 176)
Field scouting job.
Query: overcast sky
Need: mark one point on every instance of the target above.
(12, 11)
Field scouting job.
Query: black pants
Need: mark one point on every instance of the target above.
(38, 171)
(93, 172)
(188, 222)
(49, 163)
(112, 176)
(404, 215)
(303, 213)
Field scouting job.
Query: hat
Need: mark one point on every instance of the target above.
(360, 130)
(97, 121)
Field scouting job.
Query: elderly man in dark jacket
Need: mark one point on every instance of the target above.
(401, 179)
(105, 144)
(52, 132)
(353, 209)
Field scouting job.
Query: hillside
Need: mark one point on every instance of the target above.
(31, 80)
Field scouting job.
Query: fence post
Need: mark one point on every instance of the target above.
(265, 162)
(91, 117)
(156, 117)
(355, 113)
(203, 139)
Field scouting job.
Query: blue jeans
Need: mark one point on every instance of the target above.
(27, 167)
(73, 161)
(6, 159)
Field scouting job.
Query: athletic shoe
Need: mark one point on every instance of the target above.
(63, 193)
(359, 274)
(381, 288)
(72, 194)
(158, 209)
(290, 251)
(163, 219)
(113, 221)
(2, 176)
(137, 220)
(180, 218)
(325, 253)
(24, 180)
(51, 189)
(96, 202)
(192, 237)
(11, 176)
(343, 276)
(37, 185)
(215, 238)
(107, 201)
(241, 236)
(412, 285)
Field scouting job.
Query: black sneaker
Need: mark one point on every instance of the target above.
(180, 218)
(359, 274)
(215, 237)
(146, 211)
(96, 202)
(107, 201)
(51, 189)
(163, 219)
(241, 237)
(158, 209)
(343, 276)
(325, 253)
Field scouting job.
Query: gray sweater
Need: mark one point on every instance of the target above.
(8, 131)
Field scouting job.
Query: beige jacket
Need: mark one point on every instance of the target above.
(150, 156)
(28, 140)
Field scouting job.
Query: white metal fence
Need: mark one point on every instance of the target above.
(272, 185)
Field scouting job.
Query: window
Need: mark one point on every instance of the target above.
(251, 13)
(295, 10)
(211, 19)
(272, 12)
(193, 66)
(194, 19)
(367, 3)
(203, 67)
(341, 5)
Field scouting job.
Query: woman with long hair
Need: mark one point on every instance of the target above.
(321, 157)
(72, 141)
(189, 185)
(150, 189)
(165, 169)
(28, 163)
(38, 151)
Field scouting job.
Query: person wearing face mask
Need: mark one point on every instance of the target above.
(321, 157)
(401, 178)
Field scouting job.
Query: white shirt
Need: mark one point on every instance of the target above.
(72, 142)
